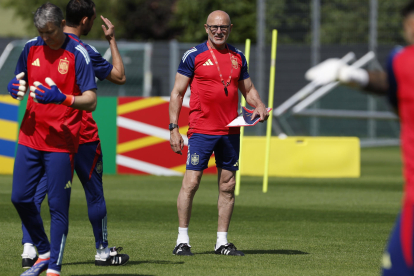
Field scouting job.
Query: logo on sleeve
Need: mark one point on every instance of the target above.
(186, 54)
(36, 62)
(84, 52)
(207, 63)
(63, 66)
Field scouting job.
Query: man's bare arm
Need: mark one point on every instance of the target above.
(176, 102)
(87, 102)
(378, 83)
(117, 74)
(252, 98)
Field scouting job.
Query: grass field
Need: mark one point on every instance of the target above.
(300, 227)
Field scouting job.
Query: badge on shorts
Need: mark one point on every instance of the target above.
(63, 66)
(234, 62)
(195, 159)
(99, 167)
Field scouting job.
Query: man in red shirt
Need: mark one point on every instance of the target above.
(397, 83)
(215, 71)
(88, 163)
(62, 84)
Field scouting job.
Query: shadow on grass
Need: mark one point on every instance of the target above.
(265, 252)
(276, 252)
(80, 263)
(154, 262)
(132, 263)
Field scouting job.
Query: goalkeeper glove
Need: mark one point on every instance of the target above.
(44, 95)
(17, 87)
(334, 69)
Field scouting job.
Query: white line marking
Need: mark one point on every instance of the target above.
(144, 166)
(146, 129)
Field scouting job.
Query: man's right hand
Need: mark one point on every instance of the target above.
(176, 141)
(17, 87)
(334, 69)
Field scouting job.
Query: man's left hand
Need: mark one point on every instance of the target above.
(261, 111)
(45, 95)
(110, 31)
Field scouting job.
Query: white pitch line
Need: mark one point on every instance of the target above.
(146, 129)
(145, 166)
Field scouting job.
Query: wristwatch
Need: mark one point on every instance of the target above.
(172, 126)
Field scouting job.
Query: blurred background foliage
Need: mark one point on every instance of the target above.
(342, 21)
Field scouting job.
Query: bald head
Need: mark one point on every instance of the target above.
(218, 18)
(218, 28)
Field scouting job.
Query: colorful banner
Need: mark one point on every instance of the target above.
(9, 110)
(144, 139)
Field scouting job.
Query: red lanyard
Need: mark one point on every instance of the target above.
(218, 68)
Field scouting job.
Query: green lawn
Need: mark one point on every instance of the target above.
(300, 227)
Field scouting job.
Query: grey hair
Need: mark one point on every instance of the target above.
(47, 13)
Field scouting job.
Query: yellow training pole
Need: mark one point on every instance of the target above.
(243, 103)
(269, 121)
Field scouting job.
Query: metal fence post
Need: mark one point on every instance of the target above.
(315, 55)
(261, 48)
(174, 62)
(373, 36)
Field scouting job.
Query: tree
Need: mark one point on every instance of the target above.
(146, 19)
(191, 15)
(133, 19)
(342, 21)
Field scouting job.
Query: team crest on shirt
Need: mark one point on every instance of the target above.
(99, 167)
(63, 66)
(234, 62)
(195, 159)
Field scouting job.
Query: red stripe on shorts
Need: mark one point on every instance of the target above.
(95, 160)
(72, 163)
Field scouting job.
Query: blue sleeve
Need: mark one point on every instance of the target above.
(101, 66)
(22, 62)
(244, 72)
(85, 77)
(186, 66)
(392, 82)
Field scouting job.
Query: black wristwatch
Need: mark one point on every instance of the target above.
(172, 126)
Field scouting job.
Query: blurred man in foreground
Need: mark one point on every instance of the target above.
(397, 83)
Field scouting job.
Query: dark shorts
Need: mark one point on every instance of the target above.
(202, 146)
(398, 258)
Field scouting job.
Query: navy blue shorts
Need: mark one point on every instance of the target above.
(202, 146)
(398, 258)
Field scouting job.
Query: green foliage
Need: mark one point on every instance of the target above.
(389, 21)
(191, 15)
(347, 21)
(145, 19)
(342, 21)
(292, 19)
(133, 19)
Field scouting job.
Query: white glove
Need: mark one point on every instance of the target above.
(17, 87)
(334, 69)
(325, 72)
(352, 75)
